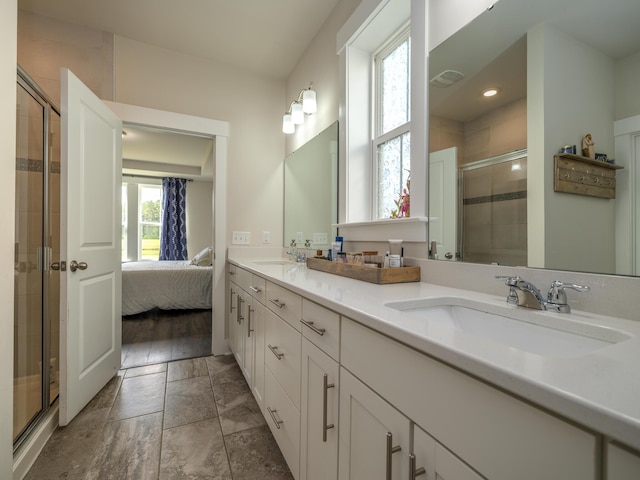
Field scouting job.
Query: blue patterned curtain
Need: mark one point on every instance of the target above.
(173, 234)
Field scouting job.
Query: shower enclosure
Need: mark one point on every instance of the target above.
(37, 257)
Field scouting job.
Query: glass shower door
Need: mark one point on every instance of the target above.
(28, 278)
(37, 248)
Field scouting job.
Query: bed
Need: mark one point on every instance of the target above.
(168, 285)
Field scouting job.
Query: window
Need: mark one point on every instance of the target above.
(149, 221)
(392, 137)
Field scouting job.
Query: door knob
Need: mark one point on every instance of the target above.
(61, 266)
(448, 255)
(73, 266)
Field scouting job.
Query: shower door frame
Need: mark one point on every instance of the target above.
(44, 258)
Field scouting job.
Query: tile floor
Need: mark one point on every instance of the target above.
(187, 419)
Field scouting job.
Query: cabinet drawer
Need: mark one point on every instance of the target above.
(242, 278)
(321, 327)
(463, 413)
(285, 304)
(258, 288)
(284, 421)
(282, 355)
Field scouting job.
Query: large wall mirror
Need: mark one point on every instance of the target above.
(562, 69)
(311, 191)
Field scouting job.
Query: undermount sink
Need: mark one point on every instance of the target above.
(522, 329)
(272, 262)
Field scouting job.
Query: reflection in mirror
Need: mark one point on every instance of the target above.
(562, 69)
(310, 191)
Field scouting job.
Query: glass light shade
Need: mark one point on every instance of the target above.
(287, 124)
(309, 104)
(297, 115)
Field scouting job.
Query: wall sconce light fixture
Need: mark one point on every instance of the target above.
(304, 104)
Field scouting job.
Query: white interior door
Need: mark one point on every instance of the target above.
(90, 317)
(443, 201)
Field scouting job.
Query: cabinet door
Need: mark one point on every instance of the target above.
(374, 436)
(622, 464)
(318, 415)
(257, 332)
(241, 313)
(248, 353)
(437, 461)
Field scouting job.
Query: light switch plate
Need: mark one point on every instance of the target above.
(299, 237)
(266, 237)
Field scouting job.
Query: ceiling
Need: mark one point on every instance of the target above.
(155, 152)
(264, 36)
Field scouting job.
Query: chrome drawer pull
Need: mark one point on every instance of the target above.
(275, 419)
(325, 388)
(413, 471)
(255, 289)
(277, 302)
(274, 350)
(231, 307)
(390, 451)
(240, 317)
(319, 331)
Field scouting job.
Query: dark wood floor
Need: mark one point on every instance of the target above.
(164, 335)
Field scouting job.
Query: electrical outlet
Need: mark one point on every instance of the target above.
(299, 237)
(320, 239)
(241, 238)
(266, 237)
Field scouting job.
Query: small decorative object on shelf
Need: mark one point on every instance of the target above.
(584, 176)
(588, 149)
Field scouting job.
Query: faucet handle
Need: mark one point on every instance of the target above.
(511, 281)
(558, 296)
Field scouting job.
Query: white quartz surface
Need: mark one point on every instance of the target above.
(599, 390)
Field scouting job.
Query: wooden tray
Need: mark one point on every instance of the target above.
(380, 276)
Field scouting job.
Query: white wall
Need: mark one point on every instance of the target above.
(199, 216)
(154, 77)
(578, 231)
(8, 56)
(628, 87)
(319, 65)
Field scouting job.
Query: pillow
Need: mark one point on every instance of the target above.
(203, 258)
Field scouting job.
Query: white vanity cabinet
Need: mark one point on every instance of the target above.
(282, 359)
(498, 435)
(246, 326)
(374, 436)
(622, 463)
(430, 460)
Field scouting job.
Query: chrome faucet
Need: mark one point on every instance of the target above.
(525, 294)
(299, 257)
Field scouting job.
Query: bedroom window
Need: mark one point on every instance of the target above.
(125, 222)
(149, 221)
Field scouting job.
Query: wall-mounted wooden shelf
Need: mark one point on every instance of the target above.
(584, 176)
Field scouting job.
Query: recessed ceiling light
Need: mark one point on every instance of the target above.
(490, 92)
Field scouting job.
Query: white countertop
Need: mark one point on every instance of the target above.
(599, 390)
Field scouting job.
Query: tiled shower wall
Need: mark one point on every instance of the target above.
(495, 205)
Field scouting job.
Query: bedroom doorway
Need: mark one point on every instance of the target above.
(166, 305)
(216, 131)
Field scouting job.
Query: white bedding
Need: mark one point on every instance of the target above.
(168, 285)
